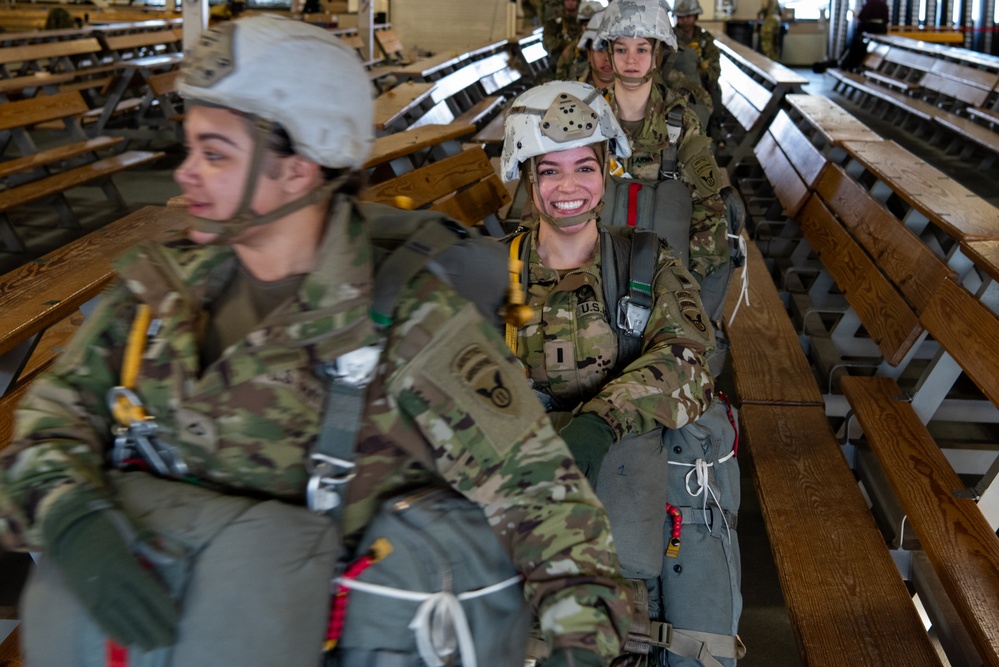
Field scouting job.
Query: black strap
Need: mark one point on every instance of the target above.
(629, 279)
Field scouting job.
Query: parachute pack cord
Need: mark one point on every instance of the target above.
(515, 315)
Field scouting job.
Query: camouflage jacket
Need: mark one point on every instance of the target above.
(446, 387)
(559, 34)
(572, 64)
(698, 171)
(708, 55)
(570, 350)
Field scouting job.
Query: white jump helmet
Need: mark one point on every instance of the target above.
(293, 74)
(590, 37)
(588, 9)
(287, 72)
(639, 18)
(559, 116)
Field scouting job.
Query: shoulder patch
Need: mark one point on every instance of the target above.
(480, 373)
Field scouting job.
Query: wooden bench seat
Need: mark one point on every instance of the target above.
(88, 173)
(942, 201)
(42, 292)
(407, 150)
(464, 186)
(57, 154)
(768, 369)
(393, 106)
(961, 545)
(845, 598)
(49, 56)
(838, 580)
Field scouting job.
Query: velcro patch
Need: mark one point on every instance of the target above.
(481, 374)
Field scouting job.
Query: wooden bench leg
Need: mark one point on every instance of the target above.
(9, 236)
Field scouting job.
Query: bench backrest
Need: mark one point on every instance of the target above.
(390, 45)
(41, 109)
(139, 40)
(464, 186)
(49, 51)
(959, 90)
(790, 161)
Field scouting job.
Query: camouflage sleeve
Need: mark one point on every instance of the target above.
(62, 427)
(493, 442)
(670, 383)
(711, 62)
(566, 61)
(708, 226)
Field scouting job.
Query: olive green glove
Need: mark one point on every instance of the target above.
(589, 438)
(124, 599)
(574, 657)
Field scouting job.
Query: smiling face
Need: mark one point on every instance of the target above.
(632, 56)
(214, 173)
(569, 182)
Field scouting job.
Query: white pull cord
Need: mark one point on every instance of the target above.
(700, 468)
(439, 620)
(744, 286)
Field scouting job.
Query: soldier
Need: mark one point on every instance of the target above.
(605, 395)
(572, 61)
(561, 27)
(770, 17)
(698, 45)
(222, 399)
(665, 135)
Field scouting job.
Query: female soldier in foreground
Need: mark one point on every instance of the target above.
(614, 340)
(218, 393)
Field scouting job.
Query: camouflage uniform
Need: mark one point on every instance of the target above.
(559, 33)
(700, 173)
(570, 350)
(572, 65)
(770, 29)
(707, 54)
(247, 421)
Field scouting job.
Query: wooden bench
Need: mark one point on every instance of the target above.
(41, 301)
(900, 292)
(139, 44)
(391, 46)
(464, 186)
(38, 175)
(826, 124)
(400, 107)
(752, 88)
(470, 95)
(531, 52)
(961, 545)
(845, 598)
(53, 57)
(395, 154)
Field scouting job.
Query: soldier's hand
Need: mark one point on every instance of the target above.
(573, 657)
(127, 601)
(589, 438)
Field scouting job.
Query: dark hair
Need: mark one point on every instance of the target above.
(279, 142)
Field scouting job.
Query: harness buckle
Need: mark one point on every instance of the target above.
(138, 437)
(327, 473)
(661, 634)
(632, 318)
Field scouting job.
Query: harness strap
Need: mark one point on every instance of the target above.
(674, 127)
(706, 647)
(516, 296)
(405, 262)
(126, 411)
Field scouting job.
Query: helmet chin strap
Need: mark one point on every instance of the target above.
(656, 51)
(245, 216)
